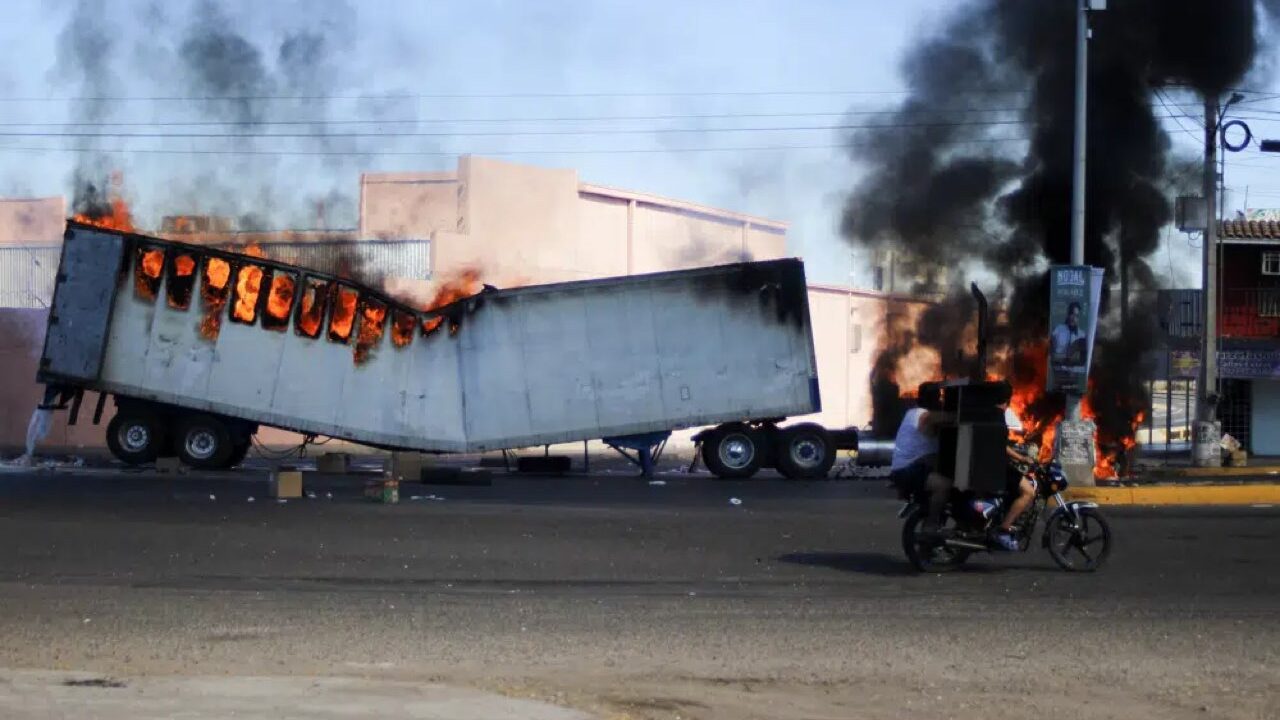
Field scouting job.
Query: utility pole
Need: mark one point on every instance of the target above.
(1207, 434)
(1075, 436)
(1079, 162)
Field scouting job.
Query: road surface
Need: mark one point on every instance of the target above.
(619, 598)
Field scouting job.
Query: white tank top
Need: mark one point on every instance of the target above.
(911, 444)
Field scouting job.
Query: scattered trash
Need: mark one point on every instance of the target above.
(657, 482)
(250, 498)
(735, 501)
(212, 496)
(328, 496)
(87, 621)
(311, 495)
(281, 501)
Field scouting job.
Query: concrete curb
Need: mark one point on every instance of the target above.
(1214, 472)
(1251, 494)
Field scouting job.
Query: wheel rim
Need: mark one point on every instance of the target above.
(201, 444)
(134, 437)
(934, 555)
(1079, 547)
(736, 451)
(807, 452)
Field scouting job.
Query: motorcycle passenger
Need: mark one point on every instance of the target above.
(1023, 492)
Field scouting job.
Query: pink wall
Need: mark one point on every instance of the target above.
(34, 221)
(407, 206)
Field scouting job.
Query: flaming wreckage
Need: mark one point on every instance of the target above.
(199, 347)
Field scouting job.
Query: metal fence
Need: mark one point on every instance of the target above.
(27, 271)
(26, 275)
(408, 259)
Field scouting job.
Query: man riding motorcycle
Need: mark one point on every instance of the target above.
(915, 461)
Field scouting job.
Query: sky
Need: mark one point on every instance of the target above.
(536, 81)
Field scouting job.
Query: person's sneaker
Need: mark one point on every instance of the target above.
(1007, 541)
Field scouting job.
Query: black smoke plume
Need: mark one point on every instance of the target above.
(85, 48)
(976, 167)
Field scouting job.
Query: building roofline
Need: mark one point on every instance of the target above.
(619, 193)
(1249, 232)
(872, 294)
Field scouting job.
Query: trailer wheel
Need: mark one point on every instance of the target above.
(733, 450)
(805, 451)
(135, 437)
(204, 442)
(240, 450)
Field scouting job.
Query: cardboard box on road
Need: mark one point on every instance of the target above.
(286, 484)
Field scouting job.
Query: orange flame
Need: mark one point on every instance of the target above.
(373, 315)
(253, 250)
(213, 293)
(279, 302)
(118, 218)
(147, 273)
(402, 329)
(344, 315)
(313, 306)
(463, 285)
(248, 285)
(1040, 415)
(181, 281)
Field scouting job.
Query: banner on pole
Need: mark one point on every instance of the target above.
(1075, 291)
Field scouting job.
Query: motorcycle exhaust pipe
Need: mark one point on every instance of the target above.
(965, 544)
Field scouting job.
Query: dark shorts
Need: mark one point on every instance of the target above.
(911, 479)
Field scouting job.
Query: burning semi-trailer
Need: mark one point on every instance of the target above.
(199, 346)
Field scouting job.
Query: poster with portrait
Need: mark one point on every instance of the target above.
(1075, 292)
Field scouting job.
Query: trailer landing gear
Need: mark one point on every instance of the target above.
(647, 447)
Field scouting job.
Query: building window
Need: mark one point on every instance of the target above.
(1269, 303)
(1271, 263)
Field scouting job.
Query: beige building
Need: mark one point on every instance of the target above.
(517, 225)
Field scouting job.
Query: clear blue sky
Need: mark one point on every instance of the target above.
(500, 49)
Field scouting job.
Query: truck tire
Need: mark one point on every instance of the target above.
(203, 442)
(804, 452)
(733, 450)
(135, 437)
(239, 451)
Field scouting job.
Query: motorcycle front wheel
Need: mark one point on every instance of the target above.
(930, 557)
(1079, 547)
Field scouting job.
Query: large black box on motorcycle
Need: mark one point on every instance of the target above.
(972, 451)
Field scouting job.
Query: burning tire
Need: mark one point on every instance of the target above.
(135, 437)
(804, 452)
(734, 450)
(204, 442)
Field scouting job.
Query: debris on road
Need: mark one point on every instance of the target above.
(657, 482)
(735, 501)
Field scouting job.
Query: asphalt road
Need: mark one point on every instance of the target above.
(634, 600)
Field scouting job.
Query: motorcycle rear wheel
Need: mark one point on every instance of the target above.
(929, 557)
(1079, 548)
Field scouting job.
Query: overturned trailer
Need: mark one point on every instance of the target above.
(199, 347)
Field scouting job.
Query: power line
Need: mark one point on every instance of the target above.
(450, 153)
(460, 96)
(898, 112)
(425, 121)
(511, 133)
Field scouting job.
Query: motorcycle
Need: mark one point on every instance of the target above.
(1076, 533)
